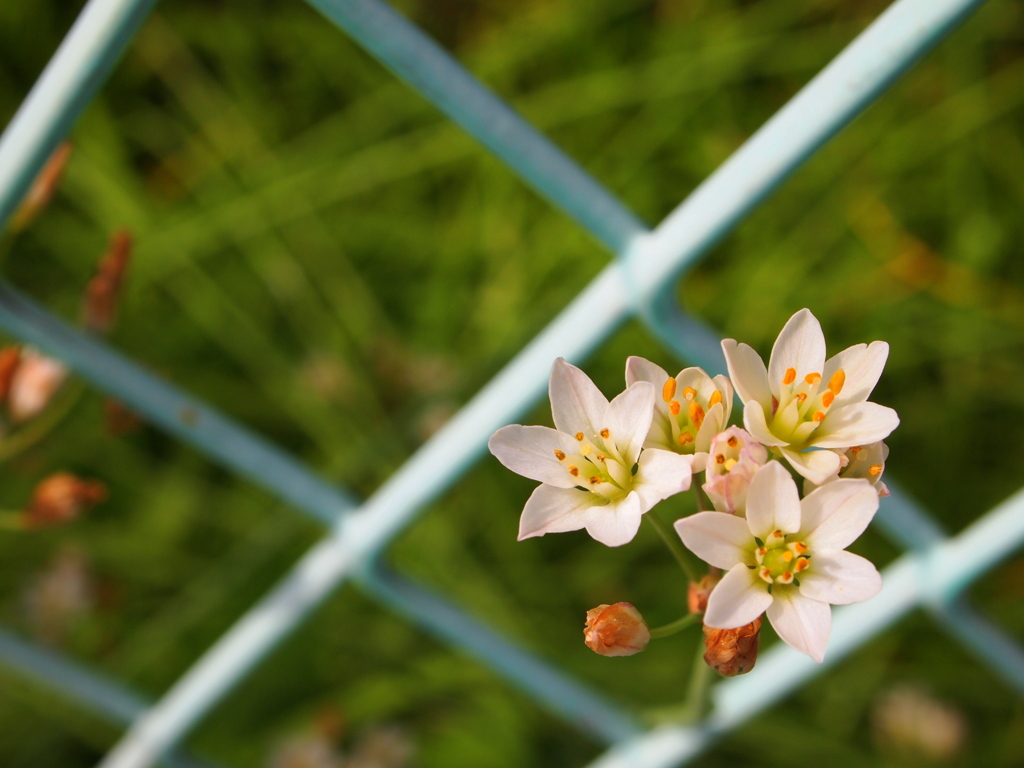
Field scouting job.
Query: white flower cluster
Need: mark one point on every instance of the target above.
(607, 463)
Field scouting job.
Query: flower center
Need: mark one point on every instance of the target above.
(781, 558)
(598, 466)
(727, 458)
(803, 404)
(686, 414)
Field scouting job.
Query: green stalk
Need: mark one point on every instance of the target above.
(682, 555)
(676, 626)
(35, 430)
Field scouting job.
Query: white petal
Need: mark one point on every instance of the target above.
(801, 345)
(855, 424)
(714, 422)
(739, 598)
(628, 417)
(718, 539)
(577, 405)
(862, 365)
(616, 523)
(816, 466)
(773, 501)
(747, 372)
(639, 369)
(661, 474)
(530, 452)
(803, 623)
(555, 510)
(839, 578)
(754, 421)
(723, 385)
(834, 515)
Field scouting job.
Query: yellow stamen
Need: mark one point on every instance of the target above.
(875, 469)
(732, 441)
(585, 449)
(720, 458)
(674, 407)
(579, 436)
(696, 414)
(559, 455)
(827, 398)
(605, 433)
(801, 564)
(729, 464)
(835, 384)
(812, 378)
(600, 457)
(790, 376)
(786, 577)
(818, 416)
(689, 393)
(574, 471)
(685, 438)
(669, 390)
(595, 480)
(715, 399)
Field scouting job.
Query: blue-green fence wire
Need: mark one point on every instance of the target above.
(638, 282)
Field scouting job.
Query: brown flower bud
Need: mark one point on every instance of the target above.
(34, 382)
(732, 652)
(119, 419)
(616, 630)
(42, 189)
(99, 305)
(62, 497)
(698, 592)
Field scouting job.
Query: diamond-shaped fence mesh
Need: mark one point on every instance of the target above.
(639, 281)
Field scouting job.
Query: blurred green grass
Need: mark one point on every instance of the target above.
(323, 256)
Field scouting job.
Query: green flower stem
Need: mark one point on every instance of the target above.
(697, 703)
(676, 626)
(686, 560)
(703, 502)
(35, 430)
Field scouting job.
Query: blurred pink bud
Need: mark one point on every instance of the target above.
(10, 357)
(616, 630)
(33, 384)
(62, 497)
(43, 188)
(733, 459)
(99, 305)
(698, 592)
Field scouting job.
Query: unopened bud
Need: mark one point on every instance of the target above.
(616, 630)
(699, 591)
(34, 382)
(42, 189)
(119, 419)
(62, 497)
(99, 306)
(732, 652)
(9, 359)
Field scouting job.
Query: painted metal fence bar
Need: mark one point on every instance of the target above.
(653, 261)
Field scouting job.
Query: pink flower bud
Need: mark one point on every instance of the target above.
(33, 384)
(733, 459)
(62, 497)
(616, 630)
(99, 305)
(698, 592)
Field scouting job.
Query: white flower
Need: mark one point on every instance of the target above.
(693, 407)
(801, 403)
(593, 473)
(864, 461)
(734, 459)
(787, 557)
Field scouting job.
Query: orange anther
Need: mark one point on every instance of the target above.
(827, 398)
(696, 414)
(574, 471)
(605, 433)
(818, 416)
(685, 438)
(579, 436)
(800, 397)
(812, 378)
(720, 459)
(668, 391)
(674, 407)
(689, 393)
(786, 577)
(732, 441)
(715, 399)
(875, 469)
(835, 384)
(801, 564)
(595, 480)
(790, 376)
(600, 457)
(560, 455)
(855, 450)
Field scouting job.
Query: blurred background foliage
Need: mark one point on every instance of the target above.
(323, 256)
